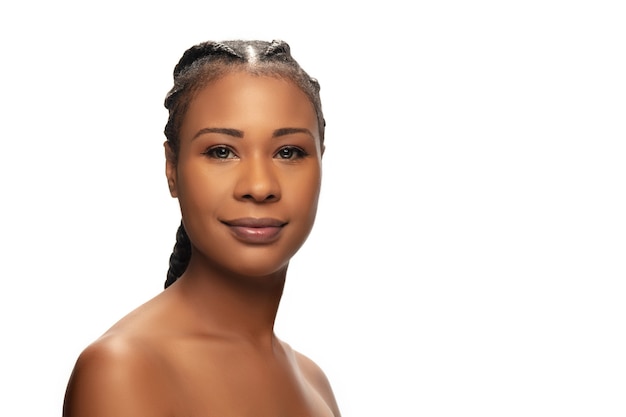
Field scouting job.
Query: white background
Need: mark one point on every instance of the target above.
(469, 252)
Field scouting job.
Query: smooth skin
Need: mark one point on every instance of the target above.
(205, 347)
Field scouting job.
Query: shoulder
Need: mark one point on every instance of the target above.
(317, 378)
(117, 376)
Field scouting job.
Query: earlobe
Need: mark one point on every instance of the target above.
(170, 170)
(172, 186)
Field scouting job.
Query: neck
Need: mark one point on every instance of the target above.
(230, 305)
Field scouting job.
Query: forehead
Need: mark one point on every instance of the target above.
(246, 101)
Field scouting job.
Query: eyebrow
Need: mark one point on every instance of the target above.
(284, 131)
(291, 130)
(223, 130)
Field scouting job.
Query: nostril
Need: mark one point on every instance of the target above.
(270, 197)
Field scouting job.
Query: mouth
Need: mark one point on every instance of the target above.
(255, 230)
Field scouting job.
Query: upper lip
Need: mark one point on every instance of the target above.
(255, 222)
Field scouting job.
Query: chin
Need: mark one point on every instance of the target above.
(260, 267)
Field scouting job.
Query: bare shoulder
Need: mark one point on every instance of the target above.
(117, 376)
(127, 372)
(317, 378)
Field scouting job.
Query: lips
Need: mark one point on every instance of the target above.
(255, 230)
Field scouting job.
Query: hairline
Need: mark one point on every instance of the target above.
(210, 72)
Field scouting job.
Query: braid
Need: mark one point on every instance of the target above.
(179, 259)
(278, 47)
(202, 50)
(193, 58)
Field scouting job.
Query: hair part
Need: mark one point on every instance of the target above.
(208, 61)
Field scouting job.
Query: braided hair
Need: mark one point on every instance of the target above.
(208, 61)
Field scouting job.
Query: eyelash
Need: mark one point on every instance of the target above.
(297, 153)
(211, 152)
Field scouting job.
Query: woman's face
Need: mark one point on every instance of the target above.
(248, 173)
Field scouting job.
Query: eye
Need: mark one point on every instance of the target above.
(290, 152)
(220, 152)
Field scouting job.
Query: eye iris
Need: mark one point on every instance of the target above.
(286, 153)
(221, 152)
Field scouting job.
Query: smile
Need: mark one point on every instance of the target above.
(256, 230)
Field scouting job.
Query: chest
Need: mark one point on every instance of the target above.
(235, 384)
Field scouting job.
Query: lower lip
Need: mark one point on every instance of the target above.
(256, 235)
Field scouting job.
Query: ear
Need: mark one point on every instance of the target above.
(170, 170)
(323, 149)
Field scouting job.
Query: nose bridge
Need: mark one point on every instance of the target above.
(258, 179)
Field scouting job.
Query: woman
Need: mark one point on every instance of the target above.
(243, 157)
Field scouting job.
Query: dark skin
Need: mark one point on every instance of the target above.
(249, 149)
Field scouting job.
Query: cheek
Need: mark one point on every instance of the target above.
(199, 188)
(305, 192)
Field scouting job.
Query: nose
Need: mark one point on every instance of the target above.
(258, 181)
